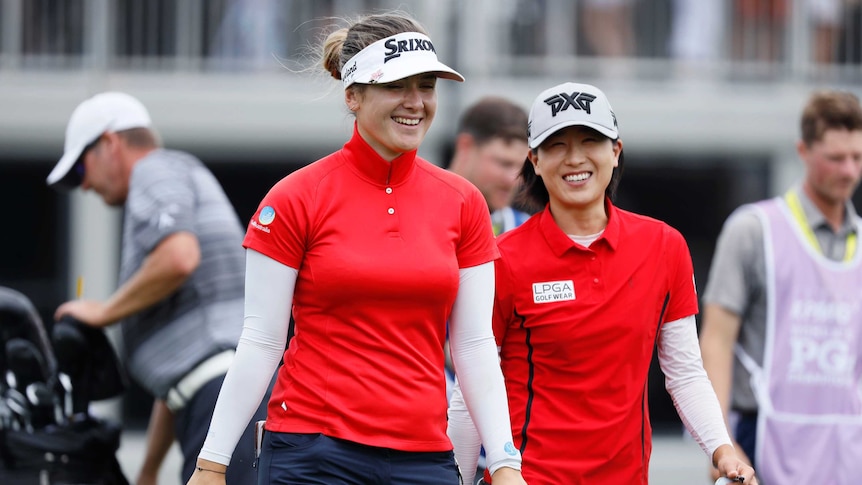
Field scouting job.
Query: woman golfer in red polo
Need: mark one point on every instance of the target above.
(373, 249)
(584, 292)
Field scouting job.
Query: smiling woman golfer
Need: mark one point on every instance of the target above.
(585, 291)
(349, 244)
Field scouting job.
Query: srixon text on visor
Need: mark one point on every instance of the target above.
(394, 47)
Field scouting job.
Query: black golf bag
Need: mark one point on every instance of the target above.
(47, 380)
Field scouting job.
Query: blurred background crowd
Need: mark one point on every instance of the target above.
(709, 91)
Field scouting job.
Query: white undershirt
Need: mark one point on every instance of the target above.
(585, 241)
(269, 287)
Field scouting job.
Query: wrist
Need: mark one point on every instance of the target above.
(206, 466)
(108, 314)
(721, 452)
(505, 471)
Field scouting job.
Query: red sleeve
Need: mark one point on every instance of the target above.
(683, 294)
(476, 245)
(280, 225)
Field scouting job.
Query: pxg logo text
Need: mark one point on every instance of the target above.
(561, 102)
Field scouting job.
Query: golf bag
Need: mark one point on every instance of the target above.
(47, 380)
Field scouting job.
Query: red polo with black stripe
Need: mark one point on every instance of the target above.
(378, 246)
(577, 327)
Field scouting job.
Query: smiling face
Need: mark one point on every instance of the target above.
(394, 117)
(576, 164)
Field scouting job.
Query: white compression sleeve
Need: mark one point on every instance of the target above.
(464, 436)
(689, 386)
(474, 354)
(268, 298)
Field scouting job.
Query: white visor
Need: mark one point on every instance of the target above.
(393, 58)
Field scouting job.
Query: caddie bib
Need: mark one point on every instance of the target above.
(809, 391)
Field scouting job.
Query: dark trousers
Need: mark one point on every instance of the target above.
(746, 434)
(316, 459)
(192, 423)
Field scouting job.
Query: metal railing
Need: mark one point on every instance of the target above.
(757, 40)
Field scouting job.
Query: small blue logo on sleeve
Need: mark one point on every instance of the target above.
(267, 215)
(510, 449)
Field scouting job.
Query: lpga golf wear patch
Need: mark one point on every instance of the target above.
(553, 291)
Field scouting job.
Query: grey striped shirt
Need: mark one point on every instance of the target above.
(170, 192)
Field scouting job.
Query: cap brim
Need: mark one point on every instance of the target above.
(536, 141)
(450, 74)
(63, 176)
(411, 69)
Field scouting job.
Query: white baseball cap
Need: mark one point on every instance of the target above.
(393, 58)
(104, 112)
(571, 104)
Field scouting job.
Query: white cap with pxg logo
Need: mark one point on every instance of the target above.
(571, 104)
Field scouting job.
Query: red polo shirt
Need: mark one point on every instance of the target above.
(378, 246)
(577, 327)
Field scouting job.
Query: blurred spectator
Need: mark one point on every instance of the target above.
(758, 29)
(490, 149)
(850, 47)
(527, 27)
(52, 27)
(825, 19)
(249, 31)
(608, 27)
(697, 29)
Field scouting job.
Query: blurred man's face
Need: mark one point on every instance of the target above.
(833, 165)
(103, 173)
(494, 168)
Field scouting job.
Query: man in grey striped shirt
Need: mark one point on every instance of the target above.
(180, 299)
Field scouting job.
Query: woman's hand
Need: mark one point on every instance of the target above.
(729, 464)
